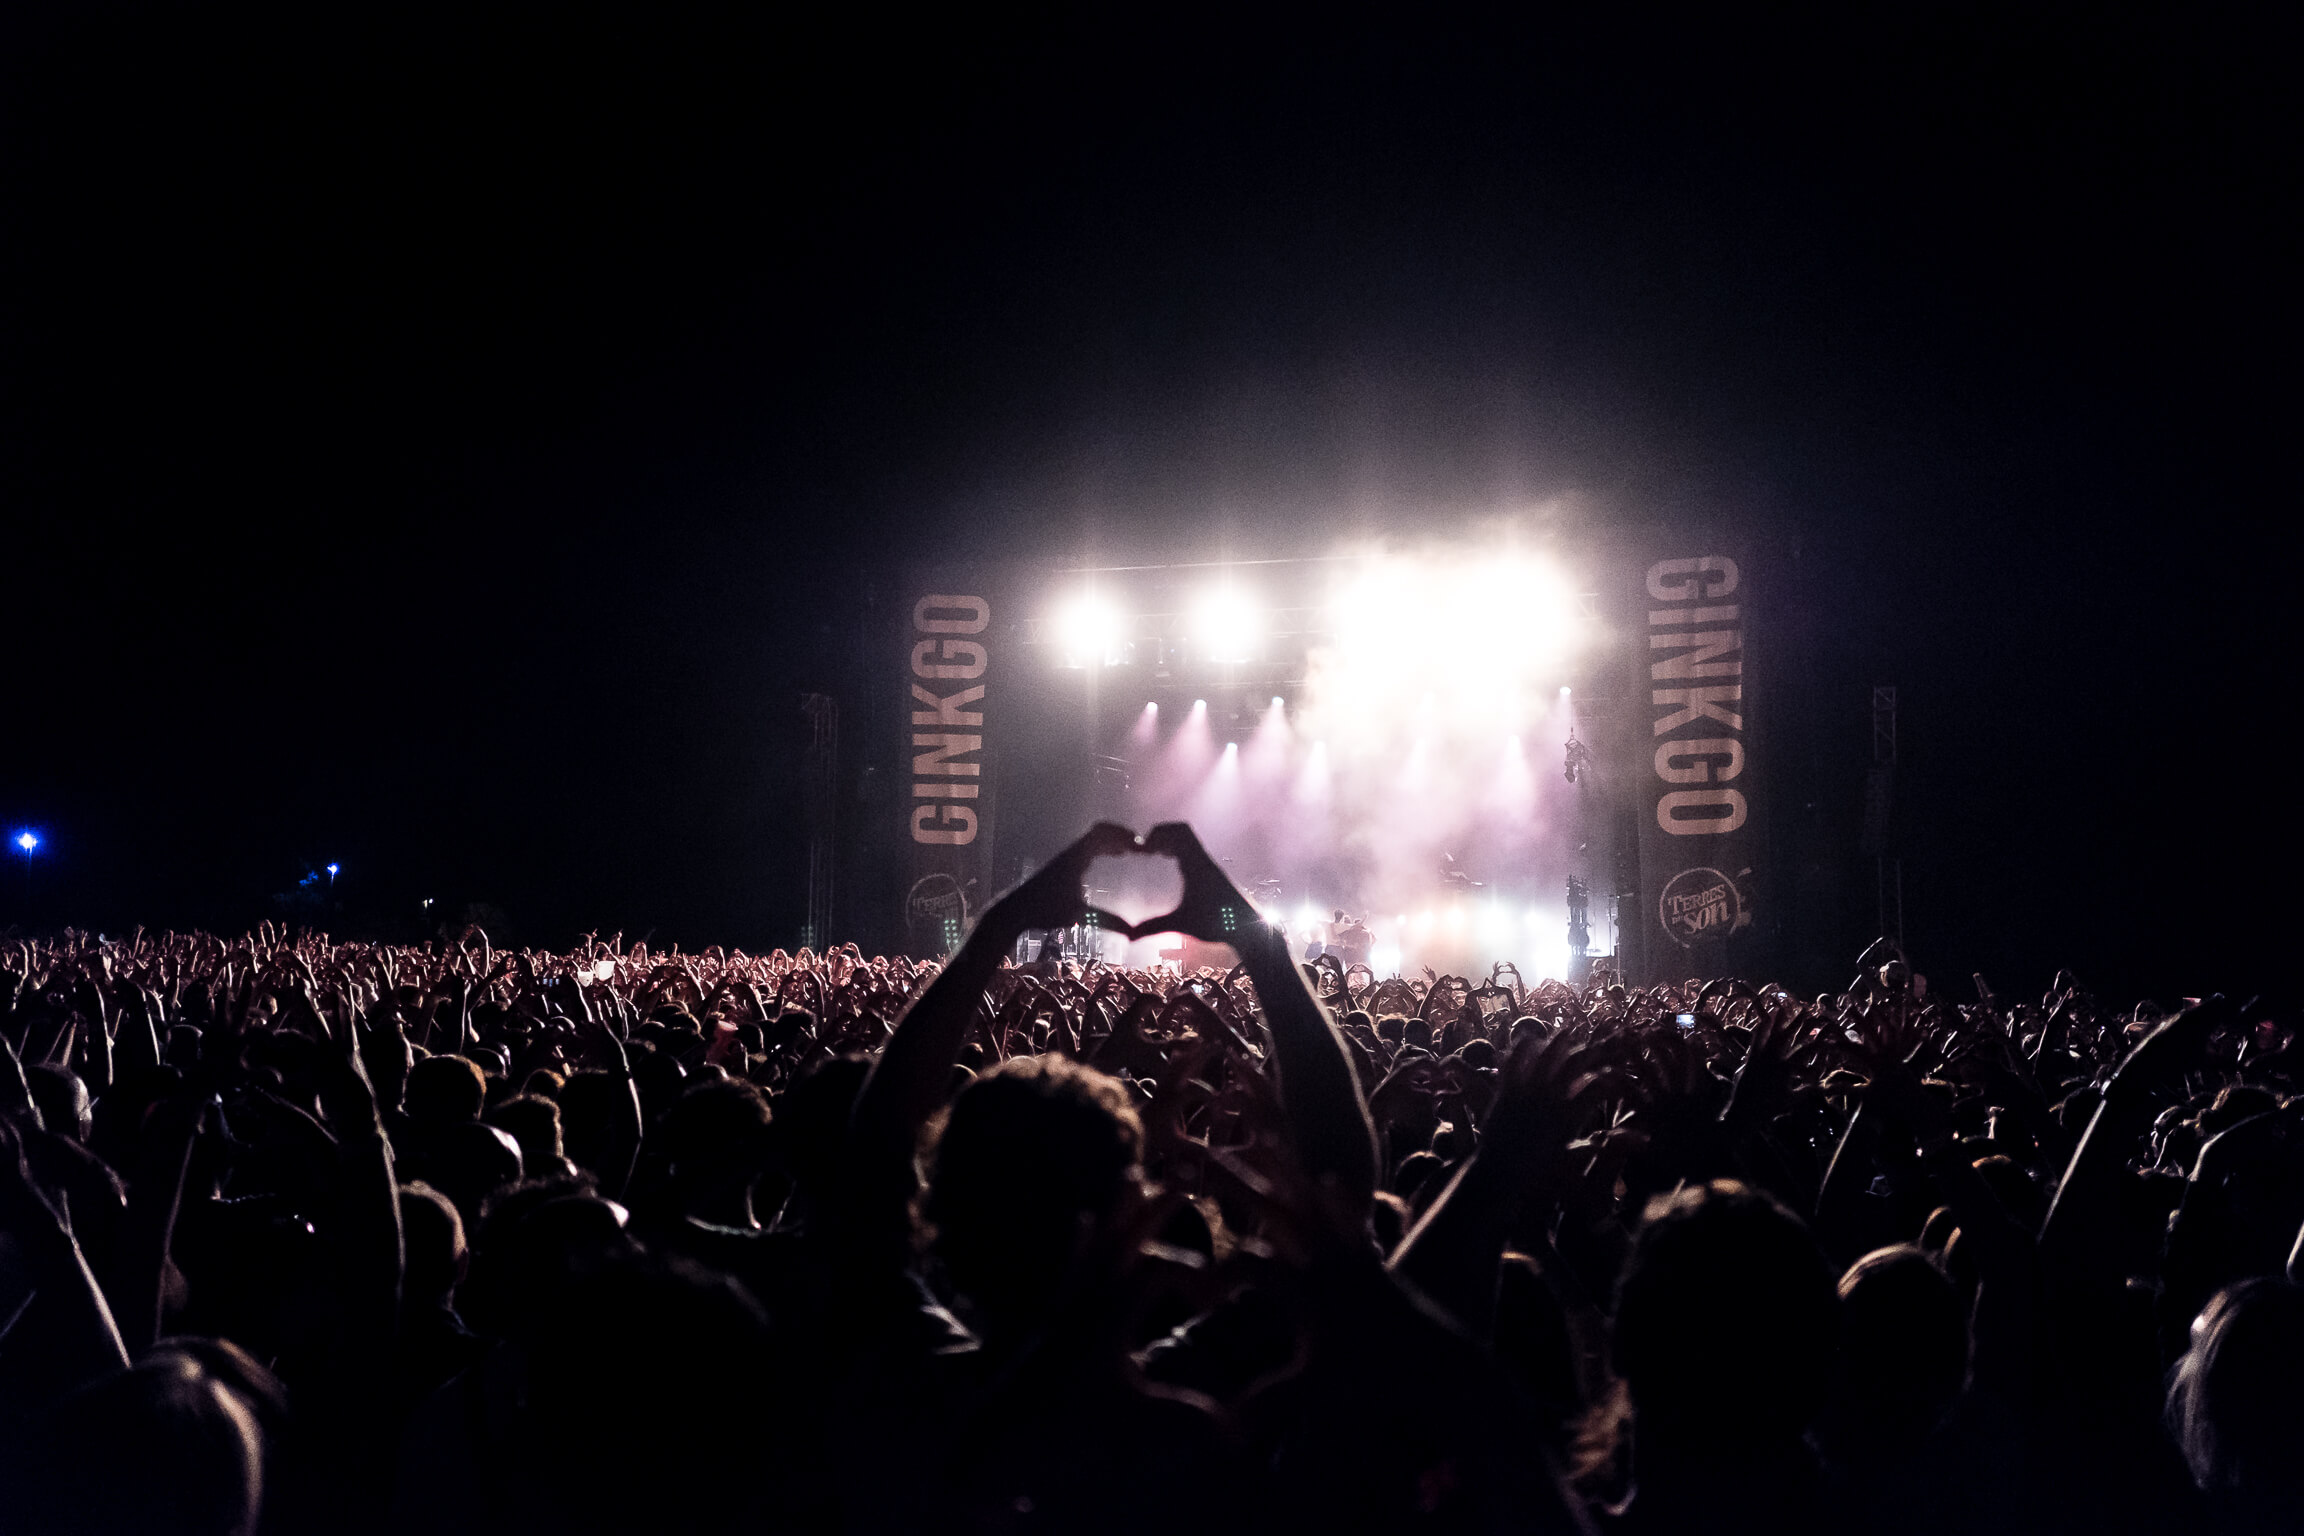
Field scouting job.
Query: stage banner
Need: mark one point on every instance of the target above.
(952, 642)
(1694, 766)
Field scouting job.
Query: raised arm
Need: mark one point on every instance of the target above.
(2080, 1232)
(367, 1196)
(1452, 1254)
(90, 1339)
(1327, 1115)
(915, 1068)
(624, 1152)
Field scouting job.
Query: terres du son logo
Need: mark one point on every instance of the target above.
(936, 909)
(1699, 904)
(944, 775)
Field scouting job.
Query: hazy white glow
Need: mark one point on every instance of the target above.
(1548, 956)
(1226, 625)
(1407, 763)
(1456, 641)
(1091, 631)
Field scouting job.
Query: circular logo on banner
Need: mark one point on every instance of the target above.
(937, 907)
(1700, 904)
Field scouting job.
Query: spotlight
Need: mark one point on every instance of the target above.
(332, 871)
(1091, 632)
(1151, 706)
(1226, 626)
(1199, 706)
(27, 840)
(1277, 702)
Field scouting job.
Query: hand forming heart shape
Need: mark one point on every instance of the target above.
(1212, 908)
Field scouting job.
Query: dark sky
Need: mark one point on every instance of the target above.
(444, 438)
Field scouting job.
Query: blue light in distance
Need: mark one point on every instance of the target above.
(28, 840)
(331, 871)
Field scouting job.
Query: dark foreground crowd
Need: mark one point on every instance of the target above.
(298, 1236)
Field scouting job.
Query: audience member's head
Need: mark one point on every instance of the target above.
(1030, 1160)
(443, 1090)
(1904, 1344)
(1725, 1322)
(165, 1449)
(534, 1123)
(61, 1098)
(2233, 1400)
(716, 1138)
(432, 1239)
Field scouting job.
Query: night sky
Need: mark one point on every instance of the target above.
(445, 439)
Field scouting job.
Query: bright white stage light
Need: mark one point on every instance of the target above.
(1384, 959)
(1091, 632)
(1226, 625)
(1199, 706)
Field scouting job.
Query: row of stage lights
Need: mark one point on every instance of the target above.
(1496, 609)
(1225, 625)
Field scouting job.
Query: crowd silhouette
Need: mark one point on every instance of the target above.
(299, 1235)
